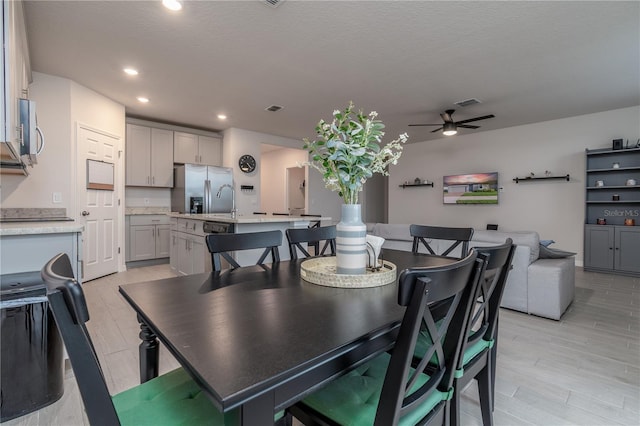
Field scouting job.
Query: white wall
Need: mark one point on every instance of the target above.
(273, 177)
(55, 170)
(555, 209)
(237, 142)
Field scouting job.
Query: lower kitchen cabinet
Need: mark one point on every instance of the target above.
(148, 237)
(189, 253)
(612, 249)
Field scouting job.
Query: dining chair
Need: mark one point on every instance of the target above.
(459, 236)
(311, 236)
(480, 349)
(171, 399)
(312, 223)
(387, 390)
(222, 244)
(479, 358)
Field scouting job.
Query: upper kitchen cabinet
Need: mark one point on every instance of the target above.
(149, 156)
(197, 149)
(16, 75)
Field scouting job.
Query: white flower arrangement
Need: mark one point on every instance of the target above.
(347, 151)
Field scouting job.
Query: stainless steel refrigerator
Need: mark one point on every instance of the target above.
(195, 189)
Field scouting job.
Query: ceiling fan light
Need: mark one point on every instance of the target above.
(449, 129)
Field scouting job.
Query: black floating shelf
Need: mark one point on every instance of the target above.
(407, 185)
(529, 179)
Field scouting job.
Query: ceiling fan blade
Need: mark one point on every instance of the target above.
(440, 124)
(469, 120)
(467, 126)
(437, 130)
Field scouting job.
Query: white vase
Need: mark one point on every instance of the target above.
(351, 241)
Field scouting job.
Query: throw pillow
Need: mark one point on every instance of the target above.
(549, 253)
(546, 243)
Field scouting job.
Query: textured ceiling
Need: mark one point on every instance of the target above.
(526, 61)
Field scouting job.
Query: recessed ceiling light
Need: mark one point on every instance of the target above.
(131, 71)
(143, 99)
(222, 116)
(174, 5)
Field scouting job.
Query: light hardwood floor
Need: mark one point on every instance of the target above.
(582, 370)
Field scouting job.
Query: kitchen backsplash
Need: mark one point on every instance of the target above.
(26, 213)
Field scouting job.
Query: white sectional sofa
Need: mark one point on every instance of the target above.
(543, 287)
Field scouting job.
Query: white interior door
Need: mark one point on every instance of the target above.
(296, 190)
(98, 207)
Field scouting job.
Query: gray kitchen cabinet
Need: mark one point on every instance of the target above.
(148, 237)
(149, 156)
(612, 211)
(15, 78)
(189, 253)
(612, 249)
(197, 149)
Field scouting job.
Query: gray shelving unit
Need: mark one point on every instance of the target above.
(613, 247)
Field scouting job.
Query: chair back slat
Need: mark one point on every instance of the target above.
(69, 308)
(221, 244)
(453, 284)
(313, 237)
(458, 236)
(488, 296)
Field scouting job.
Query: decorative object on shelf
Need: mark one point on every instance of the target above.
(617, 144)
(631, 182)
(417, 181)
(347, 152)
(599, 183)
(615, 197)
(616, 165)
(322, 271)
(247, 163)
(566, 177)
(601, 221)
(629, 221)
(423, 183)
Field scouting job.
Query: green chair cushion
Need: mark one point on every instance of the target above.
(353, 398)
(171, 399)
(470, 352)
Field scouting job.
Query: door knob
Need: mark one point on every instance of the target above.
(85, 213)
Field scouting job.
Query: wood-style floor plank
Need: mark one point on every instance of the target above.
(581, 370)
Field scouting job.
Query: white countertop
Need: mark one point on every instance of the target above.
(251, 218)
(30, 228)
(131, 211)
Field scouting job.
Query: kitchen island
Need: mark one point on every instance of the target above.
(188, 250)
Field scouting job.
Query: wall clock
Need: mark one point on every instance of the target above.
(247, 163)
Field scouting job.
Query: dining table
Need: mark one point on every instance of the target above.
(257, 339)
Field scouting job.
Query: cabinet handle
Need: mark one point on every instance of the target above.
(147, 179)
(196, 158)
(153, 180)
(201, 158)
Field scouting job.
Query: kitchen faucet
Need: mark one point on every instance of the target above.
(233, 197)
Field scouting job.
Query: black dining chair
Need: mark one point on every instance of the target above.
(479, 358)
(387, 390)
(312, 223)
(459, 236)
(221, 244)
(313, 237)
(173, 398)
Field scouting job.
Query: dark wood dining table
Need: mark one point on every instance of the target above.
(259, 338)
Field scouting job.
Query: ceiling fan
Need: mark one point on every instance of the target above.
(450, 127)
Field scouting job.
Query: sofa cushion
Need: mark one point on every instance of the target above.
(551, 253)
(392, 231)
(530, 239)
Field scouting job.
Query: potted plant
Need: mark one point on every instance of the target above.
(347, 151)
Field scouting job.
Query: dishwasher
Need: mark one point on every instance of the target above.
(218, 228)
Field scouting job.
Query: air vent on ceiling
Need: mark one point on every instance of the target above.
(273, 108)
(467, 102)
(272, 3)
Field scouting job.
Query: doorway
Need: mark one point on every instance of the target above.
(296, 190)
